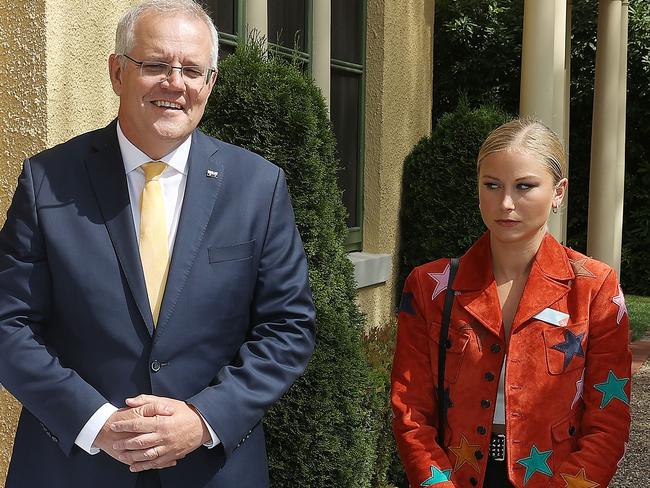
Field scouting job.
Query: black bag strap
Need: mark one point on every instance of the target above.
(442, 352)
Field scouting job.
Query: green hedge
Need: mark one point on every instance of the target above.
(323, 432)
(439, 215)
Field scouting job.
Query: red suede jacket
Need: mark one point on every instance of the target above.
(567, 383)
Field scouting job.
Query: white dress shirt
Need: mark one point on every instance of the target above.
(173, 181)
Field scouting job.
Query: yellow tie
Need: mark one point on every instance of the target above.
(154, 249)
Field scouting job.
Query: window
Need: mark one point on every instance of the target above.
(229, 20)
(289, 24)
(289, 31)
(347, 106)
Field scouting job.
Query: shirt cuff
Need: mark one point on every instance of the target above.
(215, 439)
(88, 434)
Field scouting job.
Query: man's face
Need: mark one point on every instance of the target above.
(157, 116)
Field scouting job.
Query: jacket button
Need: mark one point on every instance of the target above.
(448, 344)
(155, 366)
(481, 430)
(572, 430)
(478, 455)
(489, 376)
(473, 481)
(485, 403)
(495, 348)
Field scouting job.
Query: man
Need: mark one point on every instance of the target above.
(154, 299)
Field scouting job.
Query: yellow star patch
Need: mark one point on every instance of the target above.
(578, 481)
(579, 268)
(465, 454)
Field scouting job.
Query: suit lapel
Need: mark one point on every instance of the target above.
(475, 282)
(106, 172)
(547, 281)
(204, 179)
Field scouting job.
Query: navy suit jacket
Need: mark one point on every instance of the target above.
(236, 325)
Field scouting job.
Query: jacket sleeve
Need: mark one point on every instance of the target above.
(605, 422)
(413, 394)
(29, 367)
(281, 337)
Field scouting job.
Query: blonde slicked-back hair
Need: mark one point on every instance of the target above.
(531, 137)
(125, 33)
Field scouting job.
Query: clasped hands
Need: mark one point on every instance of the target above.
(152, 432)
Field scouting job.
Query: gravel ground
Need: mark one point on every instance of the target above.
(635, 470)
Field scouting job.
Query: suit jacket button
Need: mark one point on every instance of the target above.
(473, 481)
(155, 366)
(481, 430)
(478, 455)
(485, 403)
(489, 376)
(572, 430)
(495, 348)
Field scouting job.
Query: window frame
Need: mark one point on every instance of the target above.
(354, 239)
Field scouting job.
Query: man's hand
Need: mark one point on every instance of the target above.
(106, 438)
(158, 441)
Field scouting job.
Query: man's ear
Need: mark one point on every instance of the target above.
(115, 72)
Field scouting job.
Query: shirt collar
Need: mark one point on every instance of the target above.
(134, 158)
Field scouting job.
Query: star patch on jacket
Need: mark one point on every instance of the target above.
(579, 480)
(437, 476)
(571, 347)
(613, 388)
(536, 462)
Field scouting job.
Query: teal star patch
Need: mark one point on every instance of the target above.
(613, 388)
(536, 463)
(437, 476)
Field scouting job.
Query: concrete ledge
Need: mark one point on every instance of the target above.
(370, 269)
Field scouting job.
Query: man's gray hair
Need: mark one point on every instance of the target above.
(125, 34)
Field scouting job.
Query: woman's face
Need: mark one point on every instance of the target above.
(516, 194)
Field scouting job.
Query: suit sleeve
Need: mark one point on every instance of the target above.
(605, 422)
(413, 395)
(281, 338)
(29, 368)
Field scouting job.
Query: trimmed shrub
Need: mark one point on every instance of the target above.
(440, 215)
(322, 432)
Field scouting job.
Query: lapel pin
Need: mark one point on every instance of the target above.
(211, 173)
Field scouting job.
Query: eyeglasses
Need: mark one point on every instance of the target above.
(158, 71)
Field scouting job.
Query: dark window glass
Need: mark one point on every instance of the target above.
(287, 23)
(225, 50)
(223, 15)
(344, 113)
(346, 30)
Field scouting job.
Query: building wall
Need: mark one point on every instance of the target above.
(399, 74)
(55, 85)
(23, 131)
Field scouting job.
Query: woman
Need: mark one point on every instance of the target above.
(537, 358)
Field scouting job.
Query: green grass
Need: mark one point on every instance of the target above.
(639, 311)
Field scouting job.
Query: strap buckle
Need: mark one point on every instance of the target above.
(498, 447)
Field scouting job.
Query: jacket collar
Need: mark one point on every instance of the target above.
(547, 283)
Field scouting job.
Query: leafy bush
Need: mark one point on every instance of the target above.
(440, 215)
(322, 433)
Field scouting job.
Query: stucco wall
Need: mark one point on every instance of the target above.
(22, 132)
(55, 85)
(398, 113)
(80, 36)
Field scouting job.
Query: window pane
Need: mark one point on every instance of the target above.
(225, 50)
(287, 19)
(346, 30)
(344, 110)
(223, 15)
